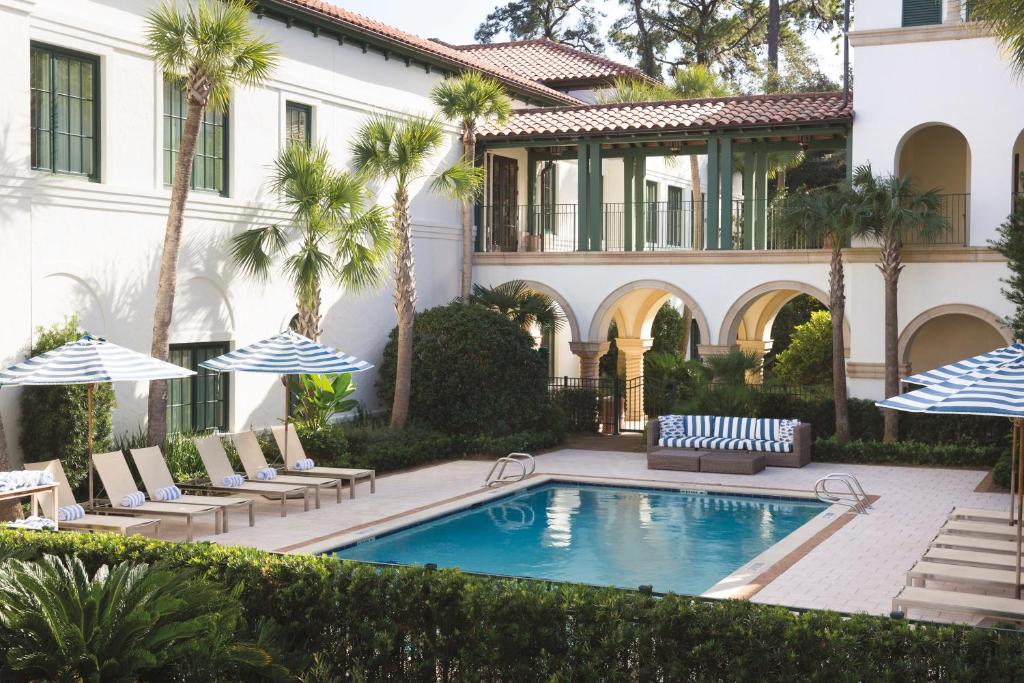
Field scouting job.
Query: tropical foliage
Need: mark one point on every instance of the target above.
(207, 48)
(321, 397)
(469, 98)
(400, 151)
(520, 304)
(1011, 245)
(337, 238)
(807, 360)
(1006, 17)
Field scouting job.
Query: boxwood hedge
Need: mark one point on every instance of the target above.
(414, 624)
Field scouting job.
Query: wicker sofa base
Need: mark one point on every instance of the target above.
(732, 462)
(678, 459)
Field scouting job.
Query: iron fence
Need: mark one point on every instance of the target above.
(955, 209)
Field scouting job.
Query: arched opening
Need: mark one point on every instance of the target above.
(937, 156)
(947, 334)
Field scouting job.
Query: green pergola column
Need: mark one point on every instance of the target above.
(531, 192)
(640, 201)
(627, 203)
(725, 176)
(582, 193)
(760, 197)
(748, 199)
(595, 199)
(711, 203)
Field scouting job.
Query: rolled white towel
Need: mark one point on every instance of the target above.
(266, 473)
(133, 500)
(233, 480)
(167, 493)
(304, 464)
(70, 513)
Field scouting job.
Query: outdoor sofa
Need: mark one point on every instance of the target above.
(726, 445)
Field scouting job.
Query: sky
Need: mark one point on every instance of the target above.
(455, 21)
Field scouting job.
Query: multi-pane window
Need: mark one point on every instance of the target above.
(298, 119)
(65, 112)
(198, 403)
(210, 166)
(675, 216)
(651, 216)
(922, 12)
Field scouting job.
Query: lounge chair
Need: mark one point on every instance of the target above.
(925, 571)
(971, 558)
(118, 482)
(253, 460)
(91, 521)
(292, 452)
(962, 542)
(1009, 609)
(981, 515)
(981, 529)
(217, 465)
(155, 476)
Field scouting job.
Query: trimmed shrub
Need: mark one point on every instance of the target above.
(1001, 470)
(808, 358)
(473, 372)
(372, 623)
(906, 453)
(579, 407)
(54, 421)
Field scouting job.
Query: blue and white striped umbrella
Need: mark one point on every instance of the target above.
(89, 360)
(991, 359)
(996, 390)
(288, 353)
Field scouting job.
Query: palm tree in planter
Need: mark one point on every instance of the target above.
(339, 240)
(893, 212)
(520, 304)
(207, 48)
(833, 216)
(398, 151)
(469, 98)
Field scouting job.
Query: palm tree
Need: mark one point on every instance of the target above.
(1006, 18)
(208, 47)
(61, 624)
(468, 98)
(893, 212)
(520, 304)
(398, 151)
(339, 240)
(833, 216)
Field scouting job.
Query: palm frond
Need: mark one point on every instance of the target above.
(1006, 18)
(372, 147)
(364, 245)
(254, 250)
(459, 181)
(470, 97)
(307, 268)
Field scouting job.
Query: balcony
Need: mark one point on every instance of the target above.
(666, 226)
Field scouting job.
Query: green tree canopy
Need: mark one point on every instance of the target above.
(808, 358)
(570, 22)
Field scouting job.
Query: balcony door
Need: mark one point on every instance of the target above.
(505, 202)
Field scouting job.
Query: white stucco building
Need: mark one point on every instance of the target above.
(87, 133)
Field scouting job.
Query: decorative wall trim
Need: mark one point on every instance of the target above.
(855, 370)
(919, 34)
(983, 314)
(611, 301)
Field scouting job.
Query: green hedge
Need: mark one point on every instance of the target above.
(906, 453)
(367, 623)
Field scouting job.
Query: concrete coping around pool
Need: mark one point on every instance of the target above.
(754, 575)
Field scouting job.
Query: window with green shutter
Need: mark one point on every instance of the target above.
(65, 111)
(675, 216)
(549, 198)
(198, 403)
(298, 120)
(210, 167)
(922, 12)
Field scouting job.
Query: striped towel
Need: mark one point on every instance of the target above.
(167, 493)
(70, 513)
(23, 479)
(34, 524)
(133, 500)
(266, 473)
(304, 464)
(233, 480)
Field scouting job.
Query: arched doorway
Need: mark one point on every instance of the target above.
(947, 334)
(937, 156)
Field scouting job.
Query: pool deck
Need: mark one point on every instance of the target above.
(858, 566)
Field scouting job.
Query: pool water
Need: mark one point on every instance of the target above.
(626, 537)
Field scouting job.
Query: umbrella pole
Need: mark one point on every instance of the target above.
(1020, 502)
(1013, 468)
(287, 412)
(88, 437)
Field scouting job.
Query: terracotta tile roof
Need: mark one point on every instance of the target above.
(552, 63)
(434, 51)
(674, 115)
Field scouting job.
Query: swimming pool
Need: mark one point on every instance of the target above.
(625, 537)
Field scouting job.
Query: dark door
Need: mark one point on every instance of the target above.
(505, 202)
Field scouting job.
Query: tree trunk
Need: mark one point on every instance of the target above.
(405, 308)
(308, 317)
(648, 64)
(168, 278)
(773, 36)
(837, 309)
(891, 267)
(696, 196)
(469, 156)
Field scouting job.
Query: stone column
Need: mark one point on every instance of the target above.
(952, 12)
(589, 354)
(632, 352)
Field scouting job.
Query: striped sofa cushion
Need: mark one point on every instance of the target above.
(772, 446)
(706, 442)
(767, 435)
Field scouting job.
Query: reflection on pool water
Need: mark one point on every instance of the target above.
(679, 542)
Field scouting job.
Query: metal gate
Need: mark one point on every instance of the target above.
(609, 406)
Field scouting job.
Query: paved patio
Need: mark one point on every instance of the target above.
(857, 569)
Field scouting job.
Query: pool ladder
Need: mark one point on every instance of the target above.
(846, 490)
(523, 461)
